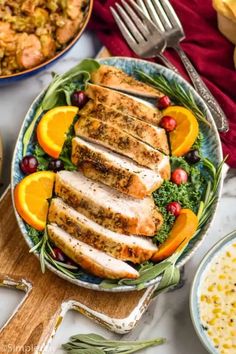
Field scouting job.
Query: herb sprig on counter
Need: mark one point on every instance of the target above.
(95, 344)
(176, 92)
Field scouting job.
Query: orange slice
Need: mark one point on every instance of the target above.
(31, 198)
(52, 129)
(182, 231)
(186, 131)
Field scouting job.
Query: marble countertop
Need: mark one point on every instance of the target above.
(168, 315)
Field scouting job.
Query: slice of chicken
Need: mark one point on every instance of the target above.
(108, 207)
(124, 103)
(119, 141)
(112, 77)
(114, 170)
(92, 260)
(127, 248)
(146, 132)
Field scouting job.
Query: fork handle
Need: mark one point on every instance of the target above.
(218, 114)
(167, 63)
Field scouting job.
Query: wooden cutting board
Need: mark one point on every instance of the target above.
(49, 297)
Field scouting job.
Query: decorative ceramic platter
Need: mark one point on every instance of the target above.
(200, 276)
(211, 148)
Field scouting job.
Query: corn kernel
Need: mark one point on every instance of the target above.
(226, 346)
(211, 288)
(222, 276)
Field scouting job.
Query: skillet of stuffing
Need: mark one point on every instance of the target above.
(33, 31)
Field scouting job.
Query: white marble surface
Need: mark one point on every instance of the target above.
(168, 315)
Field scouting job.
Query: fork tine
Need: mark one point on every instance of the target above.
(162, 15)
(129, 24)
(143, 7)
(153, 15)
(140, 25)
(124, 30)
(147, 21)
(173, 18)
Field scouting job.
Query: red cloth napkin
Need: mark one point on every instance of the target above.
(209, 51)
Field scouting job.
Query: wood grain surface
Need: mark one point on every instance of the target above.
(47, 295)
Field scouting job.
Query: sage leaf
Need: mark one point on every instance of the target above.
(95, 344)
(57, 89)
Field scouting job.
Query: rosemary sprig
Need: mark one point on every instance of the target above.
(95, 344)
(45, 251)
(176, 92)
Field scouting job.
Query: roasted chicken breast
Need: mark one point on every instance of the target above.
(127, 248)
(112, 77)
(108, 207)
(123, 143)
(124, 103)
(114, 170)
(92, 260)
(146, 132)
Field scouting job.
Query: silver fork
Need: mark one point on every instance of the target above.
(163, 15)
(140, 32)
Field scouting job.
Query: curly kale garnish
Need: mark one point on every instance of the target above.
(188, 195)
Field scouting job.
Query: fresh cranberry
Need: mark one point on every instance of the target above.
(179, 176)
(55, 165)
(59, 255)
(79, 99)
(29, 164)
(168, 123)
(173, 208)
(164, 102)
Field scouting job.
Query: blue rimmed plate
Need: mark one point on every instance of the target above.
(211, 148)
(196, 288)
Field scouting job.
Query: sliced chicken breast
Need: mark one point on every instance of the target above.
(148, 133)
(119, 141)
(92, 260)
(114, 170)
(127, 248)
(112, 77)
(108, 207)
(124, 103)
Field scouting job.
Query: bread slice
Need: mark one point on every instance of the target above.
(124, 103)
(112, 77)
(146, 132)
(119, 141)
(108, 207)
(114, 170)
(92, 260)
(127, 248)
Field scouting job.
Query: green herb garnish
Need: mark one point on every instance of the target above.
(188, 195)
(95, 344)
(42, 158)
(59, 91)
(176, 92)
